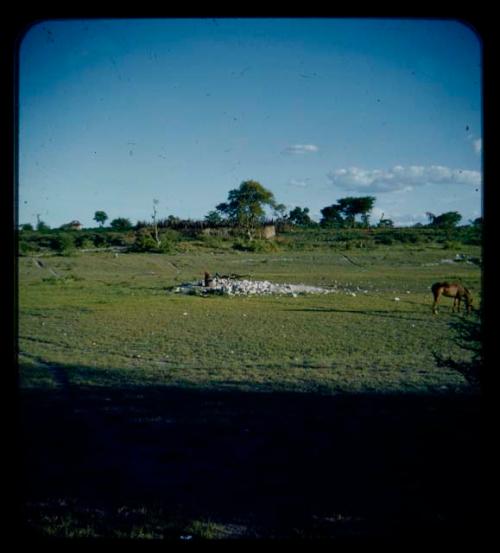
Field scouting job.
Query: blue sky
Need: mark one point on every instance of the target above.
(114, 114)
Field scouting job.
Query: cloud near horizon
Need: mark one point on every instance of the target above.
(401, 178)
(299, 149)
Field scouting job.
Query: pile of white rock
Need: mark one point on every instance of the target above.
(235, 287)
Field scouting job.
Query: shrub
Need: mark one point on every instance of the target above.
(100, 240)
(121, 223)
(256, 246)
(214, 242)
(451, 245)
(384, 239)
(84, 240)
(170, 235)
(26, 247)
(144, 242)
(116, 239)
(166, 246)
(407, 236)
(63, 243)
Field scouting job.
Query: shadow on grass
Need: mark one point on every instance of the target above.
(284, 465)
(471, 338)
(390, 313)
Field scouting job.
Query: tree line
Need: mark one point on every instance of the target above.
(246, 207)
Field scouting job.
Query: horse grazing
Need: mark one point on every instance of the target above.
(451, 290)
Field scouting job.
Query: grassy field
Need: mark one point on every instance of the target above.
(114, 320)
(153, 414)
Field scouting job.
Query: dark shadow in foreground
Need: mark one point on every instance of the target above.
(287, 465)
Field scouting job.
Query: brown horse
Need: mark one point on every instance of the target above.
(451, 290)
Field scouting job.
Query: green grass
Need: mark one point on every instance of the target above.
(112, 319)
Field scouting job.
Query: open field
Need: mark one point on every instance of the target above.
(115, 320)
(152, 414)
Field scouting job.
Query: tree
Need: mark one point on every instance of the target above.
(121, 223)
(450, 219)
(100, 217)
(344, 212)
(331, 216)
(213, 218)
(279, 211)
(245, 205)
(172, 221)
(300, 216)
(431, 217)
(155, 223)
(352, 206)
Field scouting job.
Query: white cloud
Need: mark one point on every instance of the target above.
(299, 183)
(299, 149)
(478, 145)
(400, 178)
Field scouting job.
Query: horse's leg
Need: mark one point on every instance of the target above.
(434, 305)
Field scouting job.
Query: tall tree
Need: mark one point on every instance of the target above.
(155, 222)
(331, 216)
(300, 216)
(450, 219)
(344, 212)
(245, 205)
(100, 217)
(353, 206)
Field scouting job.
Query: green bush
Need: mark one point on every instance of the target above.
(213, 242)
(100, 240)
(170, 235)
(121, 223)
(116, 239)
(26, 247)
(384, 239)
(63, 243)
(84, 240)
(166, 246)
(407, 236)
(451, 245)
(144, 242)
(256, 246)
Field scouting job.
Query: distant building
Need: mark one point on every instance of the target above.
(268, 232)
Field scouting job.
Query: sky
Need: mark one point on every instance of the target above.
(117, 113)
